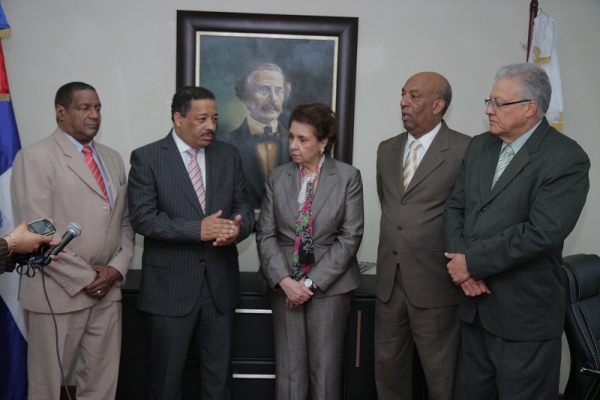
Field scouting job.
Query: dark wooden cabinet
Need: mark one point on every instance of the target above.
(253, 355)
(359, 369)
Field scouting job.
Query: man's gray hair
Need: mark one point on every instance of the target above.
(534, 83)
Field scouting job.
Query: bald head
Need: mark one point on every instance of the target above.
(425, 99)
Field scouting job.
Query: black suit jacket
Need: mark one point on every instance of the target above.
(512, 235)
(166, 211)
(253, 169)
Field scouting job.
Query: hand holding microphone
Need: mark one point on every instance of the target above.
(73, 230)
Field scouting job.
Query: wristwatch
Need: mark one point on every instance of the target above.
(309, 283)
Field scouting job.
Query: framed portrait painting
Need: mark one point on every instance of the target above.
(259, 66)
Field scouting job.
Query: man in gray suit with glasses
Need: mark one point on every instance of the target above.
(520, 192)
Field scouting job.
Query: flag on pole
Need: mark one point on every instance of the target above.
(544, 52)
(13, 343)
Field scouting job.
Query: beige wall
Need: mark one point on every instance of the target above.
(126, 49)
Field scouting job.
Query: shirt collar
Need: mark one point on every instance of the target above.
(258, 127)
(520, 141)
(181, 145)
(78, 145)
(427, 138)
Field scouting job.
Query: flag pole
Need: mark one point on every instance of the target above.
(533, 9)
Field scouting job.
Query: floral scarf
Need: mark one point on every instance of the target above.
(304, 256)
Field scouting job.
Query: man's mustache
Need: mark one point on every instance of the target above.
(270, 107)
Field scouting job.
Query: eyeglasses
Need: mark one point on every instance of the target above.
(496, 106)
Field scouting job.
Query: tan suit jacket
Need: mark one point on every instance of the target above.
(50, 179)
(411, 227)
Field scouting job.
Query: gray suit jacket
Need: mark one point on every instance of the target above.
(338, 227)
(411, 229)
(512, 235)
(50, 179)
(166, 211)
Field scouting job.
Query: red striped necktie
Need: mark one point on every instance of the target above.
(196, 177)
(91, 163)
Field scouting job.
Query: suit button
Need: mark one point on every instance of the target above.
(395, 252)
(403, 202)
(399, 227)
(473, 238)
(105, 208)
(483, 209)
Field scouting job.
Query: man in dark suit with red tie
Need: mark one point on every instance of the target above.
(189, 201)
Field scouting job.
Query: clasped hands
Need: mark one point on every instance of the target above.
(223, 231)
(295, 291)
(457, 268)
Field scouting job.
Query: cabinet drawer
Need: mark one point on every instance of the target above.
(253, 380)
(253, 329)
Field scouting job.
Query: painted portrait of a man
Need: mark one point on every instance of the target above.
(257, 79)
(262, 138)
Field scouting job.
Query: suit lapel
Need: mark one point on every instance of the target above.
(489, 159)
(211, 156)
(109, 168)
(432, 159)
(520, 160)
(327, 182)
(292, 186)
(173, 159)
(76, 162)
(397, 162)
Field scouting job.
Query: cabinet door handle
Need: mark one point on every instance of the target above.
(253, 376)
(358, 329)
(252, 311)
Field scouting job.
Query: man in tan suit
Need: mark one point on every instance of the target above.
(417, 304)
(67, 177)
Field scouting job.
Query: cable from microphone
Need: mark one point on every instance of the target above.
(73, 230)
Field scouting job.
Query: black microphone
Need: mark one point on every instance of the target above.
(73, 230)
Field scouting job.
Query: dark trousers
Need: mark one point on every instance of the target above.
(495, 368)
(170, 341)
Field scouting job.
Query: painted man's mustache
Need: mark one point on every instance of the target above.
(271, 107)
